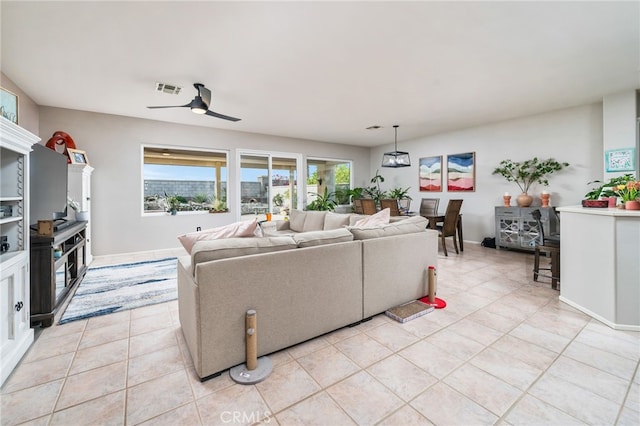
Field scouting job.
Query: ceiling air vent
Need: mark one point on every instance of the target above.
(171, 89)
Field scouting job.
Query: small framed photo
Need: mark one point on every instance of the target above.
(77, 156)
(620, 160)
(9, 105)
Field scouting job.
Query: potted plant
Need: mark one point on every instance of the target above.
(81, 215)
(629, 193)
(323, 201)
(402, 195)
(374, 190)
(526, 173)
(173, 202)
(592, 198)
(605, 194)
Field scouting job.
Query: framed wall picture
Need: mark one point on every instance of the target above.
(430, 174)
(461, 172)
(620, 160)
(9, 105)
(77, 156)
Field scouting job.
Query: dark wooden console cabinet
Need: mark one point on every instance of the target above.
(58, 265)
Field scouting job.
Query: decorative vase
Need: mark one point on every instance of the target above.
(632, 205)
(524, 200)
(612, 201)
(174, 212)
(545, 199)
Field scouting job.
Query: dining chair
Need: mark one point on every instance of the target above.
(429, 207)
(357, 206)
(392, 205)
(368, 206)
(449, 227)
(549, 245)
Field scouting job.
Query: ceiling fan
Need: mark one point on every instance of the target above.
(200, 104)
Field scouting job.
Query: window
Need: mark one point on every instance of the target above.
(189, 180)
(332, 175)
(268, 183)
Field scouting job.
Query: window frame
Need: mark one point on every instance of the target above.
(328, 159)
(300, 181)
(187, 149)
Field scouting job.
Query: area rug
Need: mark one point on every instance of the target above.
(115, 288)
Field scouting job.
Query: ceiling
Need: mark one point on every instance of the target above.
(324, 70)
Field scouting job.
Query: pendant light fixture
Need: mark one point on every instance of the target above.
(396, 158)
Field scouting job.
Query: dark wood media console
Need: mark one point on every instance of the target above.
(58, 265)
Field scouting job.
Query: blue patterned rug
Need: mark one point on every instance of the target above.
(115, 288)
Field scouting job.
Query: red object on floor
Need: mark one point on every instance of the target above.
(438, 303)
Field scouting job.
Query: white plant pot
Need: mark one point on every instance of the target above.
(82, 216)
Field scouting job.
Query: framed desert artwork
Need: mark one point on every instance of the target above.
(461, 172)
(430, 174)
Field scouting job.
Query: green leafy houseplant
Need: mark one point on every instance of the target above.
(173, 202)
(374, 190)
(608, 189)
(526, 173)
(400, 194)
(323, 202)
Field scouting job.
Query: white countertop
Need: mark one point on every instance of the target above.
(600, 211)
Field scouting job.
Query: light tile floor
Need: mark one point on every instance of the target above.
(505, 350)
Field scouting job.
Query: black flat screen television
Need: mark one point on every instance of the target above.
(48, 187)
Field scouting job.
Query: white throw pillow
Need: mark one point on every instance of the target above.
(379, 219)
(237, 229)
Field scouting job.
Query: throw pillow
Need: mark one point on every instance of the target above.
(335, 220)
(375, 220)
(237, 229)
(296, 220)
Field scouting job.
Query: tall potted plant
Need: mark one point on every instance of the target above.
(526, 173)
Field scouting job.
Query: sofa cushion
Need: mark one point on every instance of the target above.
(314, 221)
(296, 220)
(205, 251)
(317, 238)
(335, 220)
(308, 220)
(375, 220)
(407, 226)
(247, 228)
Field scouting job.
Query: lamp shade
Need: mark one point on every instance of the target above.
(396, 158)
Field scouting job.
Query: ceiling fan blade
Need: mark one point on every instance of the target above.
(170, 106)
(204, 93)
(224, 117)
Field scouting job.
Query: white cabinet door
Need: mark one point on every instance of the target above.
(16, 335)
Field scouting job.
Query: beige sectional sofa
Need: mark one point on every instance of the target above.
(302, 285)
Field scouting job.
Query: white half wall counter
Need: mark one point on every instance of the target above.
(600, 264)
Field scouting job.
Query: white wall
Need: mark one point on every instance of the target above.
(619, 127)
(573, 135)
(113, 145)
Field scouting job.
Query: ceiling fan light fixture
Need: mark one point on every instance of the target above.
(198, 110)
(396, 158)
